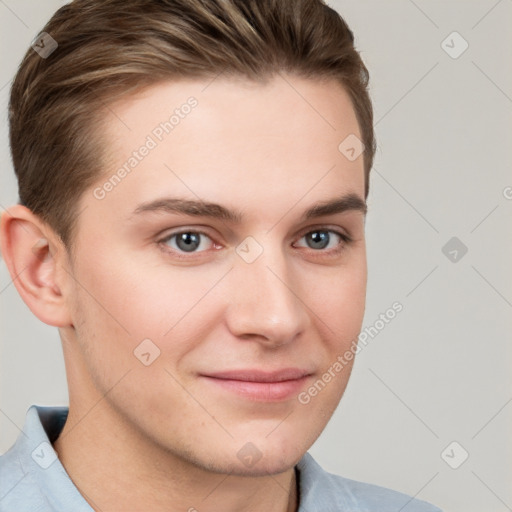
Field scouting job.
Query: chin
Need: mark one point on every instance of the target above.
(247, 459)
(268, 465)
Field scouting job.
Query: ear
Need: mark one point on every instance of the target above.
(34, 255)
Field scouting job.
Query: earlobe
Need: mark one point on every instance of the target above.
(33, 253)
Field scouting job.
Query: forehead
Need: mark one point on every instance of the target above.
(231, 139)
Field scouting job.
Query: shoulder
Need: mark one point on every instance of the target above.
(321, 490)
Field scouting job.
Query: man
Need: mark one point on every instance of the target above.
(192, 202)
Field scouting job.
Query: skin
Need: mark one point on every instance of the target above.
(162, 437)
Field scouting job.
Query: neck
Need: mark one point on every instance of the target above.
(116, 468)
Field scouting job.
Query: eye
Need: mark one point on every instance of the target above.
(187, 241)
(321, 239)
(326, 241)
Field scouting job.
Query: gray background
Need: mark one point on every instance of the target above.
(441, 370)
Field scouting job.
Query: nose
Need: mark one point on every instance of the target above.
(266, 303)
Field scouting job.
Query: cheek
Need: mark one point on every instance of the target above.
(127, 301)
(337, 298)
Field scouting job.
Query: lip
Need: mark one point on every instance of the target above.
(261, 385)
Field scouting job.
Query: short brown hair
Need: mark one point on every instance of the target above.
(110, 48)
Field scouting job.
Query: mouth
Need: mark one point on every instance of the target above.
(258, 385)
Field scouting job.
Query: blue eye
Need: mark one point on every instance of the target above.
(323, 238)
(319, 239)
(322, 241)
(186, 241)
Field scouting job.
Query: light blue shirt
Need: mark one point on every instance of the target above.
(32, 479)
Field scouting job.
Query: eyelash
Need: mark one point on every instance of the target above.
(345, 240)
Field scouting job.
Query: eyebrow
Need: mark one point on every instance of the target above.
(200, 208)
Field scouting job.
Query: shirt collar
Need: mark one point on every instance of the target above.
(39, 460)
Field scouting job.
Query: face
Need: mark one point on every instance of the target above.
(213, 291)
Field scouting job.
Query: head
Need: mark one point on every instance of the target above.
(188, 210)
